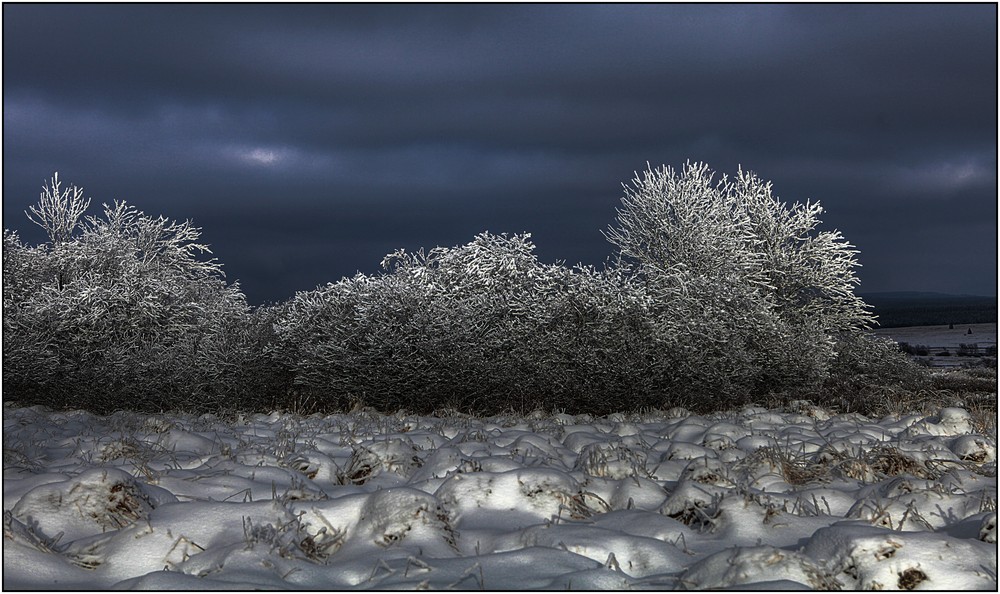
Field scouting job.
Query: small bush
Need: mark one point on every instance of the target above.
(868, 370)
(968, 350)
(916, 349)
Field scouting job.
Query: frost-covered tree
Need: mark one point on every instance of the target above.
(122, 309)
(752, 295)
(58, 210)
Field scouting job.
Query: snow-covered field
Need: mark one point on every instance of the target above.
(941, 339)
(985, 335)
(749, 499)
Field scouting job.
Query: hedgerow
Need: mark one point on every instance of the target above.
(719, 294)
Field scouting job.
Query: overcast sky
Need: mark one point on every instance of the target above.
(310, 140)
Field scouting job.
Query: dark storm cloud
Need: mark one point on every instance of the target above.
(309, 140)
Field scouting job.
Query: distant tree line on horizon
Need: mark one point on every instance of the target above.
(718, 294)
(932, 311)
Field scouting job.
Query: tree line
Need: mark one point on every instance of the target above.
(718, 293)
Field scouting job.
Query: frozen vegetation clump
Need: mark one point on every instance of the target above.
(719, 295)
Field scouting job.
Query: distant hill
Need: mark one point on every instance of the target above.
(913, 308)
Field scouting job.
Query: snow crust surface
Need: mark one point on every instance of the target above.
(751, 499)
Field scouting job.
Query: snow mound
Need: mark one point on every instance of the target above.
(871, 558)
(93, 502)
(757, 565)
(408, 517)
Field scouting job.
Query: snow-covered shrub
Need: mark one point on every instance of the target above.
(476, 319)
(750, 297)
(482, 326)
(240, 371)
(437, 328)
(120, 311)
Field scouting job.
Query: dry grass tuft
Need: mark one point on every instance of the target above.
(911, 578)
(974, 380)
(890, 461)
(795, 469)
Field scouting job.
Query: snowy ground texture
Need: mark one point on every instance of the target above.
(796, 499)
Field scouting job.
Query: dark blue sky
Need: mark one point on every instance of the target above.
(310, 140)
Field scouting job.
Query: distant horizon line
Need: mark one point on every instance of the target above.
(922, 294)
